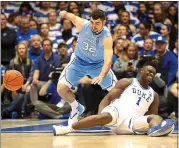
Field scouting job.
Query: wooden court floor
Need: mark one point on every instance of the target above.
(36, 134)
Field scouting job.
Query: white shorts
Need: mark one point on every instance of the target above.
(125, 124)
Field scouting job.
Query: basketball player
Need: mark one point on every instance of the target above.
(93, 57)
(123, 109)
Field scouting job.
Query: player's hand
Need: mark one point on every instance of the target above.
(62, 13)
(97, 80)
(35, 81)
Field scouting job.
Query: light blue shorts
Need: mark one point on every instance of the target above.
(75, 70)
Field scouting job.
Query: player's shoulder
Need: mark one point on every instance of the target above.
(125, 82)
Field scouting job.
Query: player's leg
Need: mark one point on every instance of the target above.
(68, 80)
(153, 125)
(107, 117)
(159, 127)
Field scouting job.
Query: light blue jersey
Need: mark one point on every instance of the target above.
(89, 47)
(88, 59)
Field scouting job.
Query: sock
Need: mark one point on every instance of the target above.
(74, 106)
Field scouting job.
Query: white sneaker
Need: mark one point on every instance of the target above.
(74, 117)
(61, 130)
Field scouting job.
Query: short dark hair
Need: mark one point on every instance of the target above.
(98, 14)
(62, 45)
(51, 43)
(147, 24)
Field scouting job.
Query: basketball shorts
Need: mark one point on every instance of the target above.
(125, 124)
(75, 70)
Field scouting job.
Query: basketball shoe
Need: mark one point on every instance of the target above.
(75, 114)
(61, 130)
(163, 129)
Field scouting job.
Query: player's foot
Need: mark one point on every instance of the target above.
(61, 130)
(163, 129)
(75, 114)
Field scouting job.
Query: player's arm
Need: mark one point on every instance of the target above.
(108, 52)
(153, 109)
(77, 21)
(114, 93)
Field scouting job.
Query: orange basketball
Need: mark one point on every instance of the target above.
(13, 80)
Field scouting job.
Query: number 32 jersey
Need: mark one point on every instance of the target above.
(89, 46)
(135, 100)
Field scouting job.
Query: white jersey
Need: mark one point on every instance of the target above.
(135, 100)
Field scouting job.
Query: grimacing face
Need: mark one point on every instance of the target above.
(148, 73)
(96, 25)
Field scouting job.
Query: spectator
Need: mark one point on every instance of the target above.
(119, 50)
(166, 31)
(11, 101)
(25, 32)
(125, 67)
(8, 42)
(41, 14)
(35, 49)
(33, 24)
(131, 7)
(53, 25)
(61, 6)
(148, 47)
(23, 64)
(143, 12)
(67, 32)
(14, 21)
(144, 31)
(173, 15)
(175, 50)
(62, 52)
(3, 69)
(44, 31)
(72, 5)
(8, 9)
(121, 31)
(170, 61)
(76, 11)
(159, 17)
(25, 8)
(125, 19)
(73, 45)
(42, 68)
(56, 106)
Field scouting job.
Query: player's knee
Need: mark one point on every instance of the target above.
(154, 117)
(62, 89)
(105, 118)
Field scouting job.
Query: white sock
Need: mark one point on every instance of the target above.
(74, 106)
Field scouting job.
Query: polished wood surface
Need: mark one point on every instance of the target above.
(47, 140)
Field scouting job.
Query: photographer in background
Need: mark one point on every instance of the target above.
(53, 106)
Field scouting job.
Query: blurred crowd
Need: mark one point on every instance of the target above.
(39, 44)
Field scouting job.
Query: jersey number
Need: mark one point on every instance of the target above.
(88, 48)
(138, 101)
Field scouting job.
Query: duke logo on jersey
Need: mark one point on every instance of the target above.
(142, 94)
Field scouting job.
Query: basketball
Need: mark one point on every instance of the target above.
(13, 80)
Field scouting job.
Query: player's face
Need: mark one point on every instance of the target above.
(148, 73)
(96, 25)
